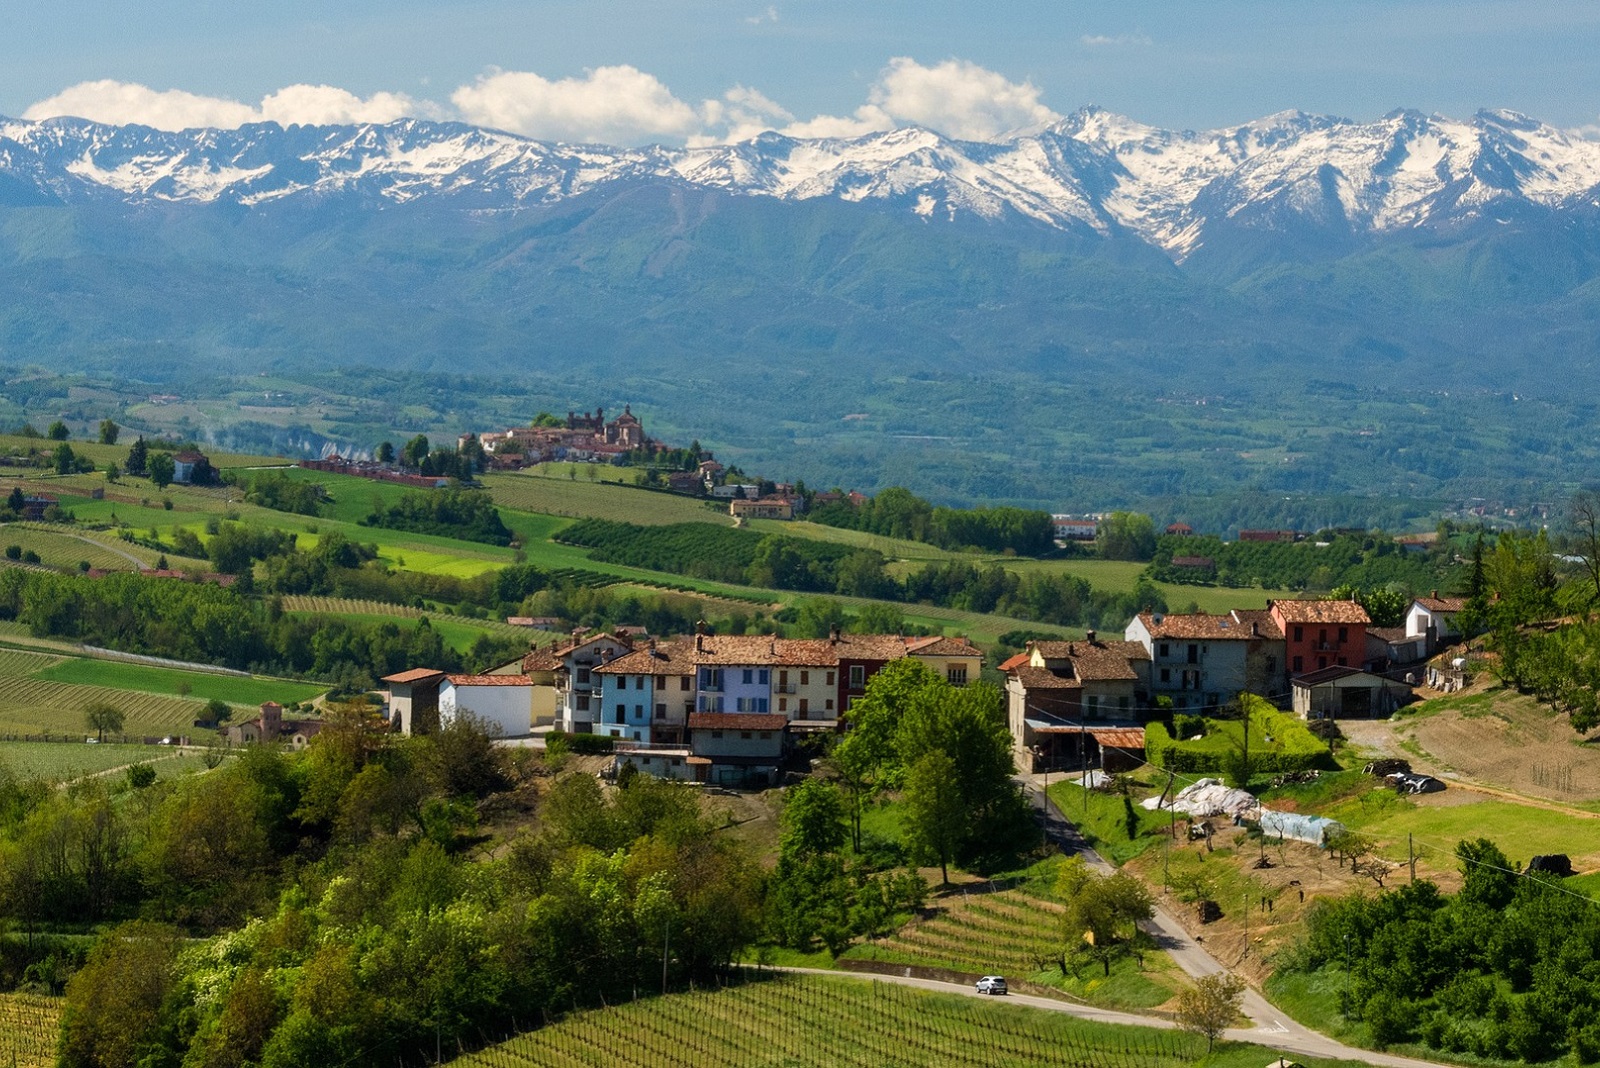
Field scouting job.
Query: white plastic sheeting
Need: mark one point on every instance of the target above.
(1208, 797)
(1298, 826)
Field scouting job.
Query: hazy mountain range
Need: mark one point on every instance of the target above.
(1080, 279)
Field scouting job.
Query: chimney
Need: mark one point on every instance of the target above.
(1255, 630)
(699, 642)
(833, 632)
(1089, 636)
(1434, 595)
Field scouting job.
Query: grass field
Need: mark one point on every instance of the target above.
(59, 549)
(29, 1025)
(816, 1020)
(200, 685)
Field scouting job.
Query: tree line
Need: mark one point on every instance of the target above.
(896, 512)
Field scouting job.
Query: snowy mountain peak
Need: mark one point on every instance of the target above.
(1093, 170)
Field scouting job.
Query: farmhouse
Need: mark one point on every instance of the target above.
(1199, 660)
(1432, 619)
(502, 703)
(414, 700)
(1321, 634)
(1071, 704)
(768, 508)
(271, 727)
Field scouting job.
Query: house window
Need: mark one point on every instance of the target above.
(783, 704)
(716, 734)
(858, 676)
(583, 702)
(1341, 662)
(783, 680)
(583, 676)
(638, 712)
(1166, 674)
(1272, 665)
(1299, 634)
(636, 736)
(1344, 634)
(830, 678)
(956, 674)
(1322, 662)
(1298, 661)
(805, 678)
(683, 683)
(766, 735)
(1194, 654)
(805, 706)
(766, 677)
(621, 712)
(829, 705)
(749, 676)
(661, 711)
(676, 761)
(744, 734)
(661, 682)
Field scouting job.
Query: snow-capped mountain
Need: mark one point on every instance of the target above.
(1092, 172)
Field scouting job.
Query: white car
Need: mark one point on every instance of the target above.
(992, 984)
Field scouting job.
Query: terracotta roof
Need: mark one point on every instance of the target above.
(737, 721)
(1099, 660)
(414, 675)
(489, 680)
(1119, 737)
(1320, 612)
(667, 658)
(539, 660)
(1442, 604)
(1200, 625)
(765, 650)
(939, 645)
(1266, 626)
(1038, 678)
(1014, 662)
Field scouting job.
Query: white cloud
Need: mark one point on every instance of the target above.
(741, 114)
(957, 98)
(769, 15)
(1100, 40)
(121, 103)
(618, 105)
(174, 109)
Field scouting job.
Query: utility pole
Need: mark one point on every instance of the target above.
(1083, 748)
(1411, 857)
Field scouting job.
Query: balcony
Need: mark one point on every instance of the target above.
(786, 687)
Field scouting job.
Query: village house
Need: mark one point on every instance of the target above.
(1075, 528)
(1200, 660)
(767, 508)
(187, 464)
(1321, 634)
(1078, 704)
(1432, 619)
(572, 665)
(414, 700)
(737, 749)
(1345, 693)
(503, 704)
(646, 695)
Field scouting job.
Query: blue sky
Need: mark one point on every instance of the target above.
(676, 70)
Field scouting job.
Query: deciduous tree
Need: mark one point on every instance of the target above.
(1211, 1005)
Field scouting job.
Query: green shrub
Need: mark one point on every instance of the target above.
(582, 743)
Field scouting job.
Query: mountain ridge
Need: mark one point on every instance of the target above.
(1092, 172)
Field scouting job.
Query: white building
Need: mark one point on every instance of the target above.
(503, 703)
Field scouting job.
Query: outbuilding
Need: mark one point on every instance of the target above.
(1341, 692)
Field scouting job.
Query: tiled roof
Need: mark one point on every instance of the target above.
(489, 680)
(768, 651)
(1197, 625)
(1389, 634)
(1038, 678)
(939, 645)
(667, 658)
(1266, 626)
(539, 660)
(1320, 612)
(737, 721)
(1329, 674)
(414, 675)
(1012, 663)
(1443, 604)
(1097, 661)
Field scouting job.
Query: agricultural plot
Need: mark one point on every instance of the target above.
(59, 549)
(845, 1023)
(561, 496)
(1018, 934)
(65, 761)
(35, 706)
(200, 685)
(891, 548)
(29, 1025)
(368, 609)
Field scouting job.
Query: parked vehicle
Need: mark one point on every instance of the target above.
(992, 984)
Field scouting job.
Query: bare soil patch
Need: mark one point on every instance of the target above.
(1494, 738)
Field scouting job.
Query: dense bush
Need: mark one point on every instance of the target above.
(451, 513)
(897, 513)
(1293, 748)
(1360, 560)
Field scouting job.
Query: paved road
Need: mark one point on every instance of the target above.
(1272, 1027)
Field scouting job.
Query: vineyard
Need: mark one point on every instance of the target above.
(33, 706)
(814, 1020)
(1018, 934)
(62, 550)
(28, 1027)
(568, 497)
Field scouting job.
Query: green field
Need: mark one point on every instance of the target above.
(64, 761)
(843, 1023)
(530, 491)
(29, 1025)
(59, 549)
(200, 685)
